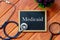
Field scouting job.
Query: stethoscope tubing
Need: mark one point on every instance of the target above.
(7, 22)
(5, 30)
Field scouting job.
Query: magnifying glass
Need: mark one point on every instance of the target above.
(54, 29)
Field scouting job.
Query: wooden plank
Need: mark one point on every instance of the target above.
(58, 37)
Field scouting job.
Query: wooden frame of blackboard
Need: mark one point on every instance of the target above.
(33, 30)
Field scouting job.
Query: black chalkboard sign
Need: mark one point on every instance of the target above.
(33, 20)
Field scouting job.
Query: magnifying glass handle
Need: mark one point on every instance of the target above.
(51, 37)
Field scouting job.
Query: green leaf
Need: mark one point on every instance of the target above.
(41, 5)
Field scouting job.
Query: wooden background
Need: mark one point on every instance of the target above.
(53, 15)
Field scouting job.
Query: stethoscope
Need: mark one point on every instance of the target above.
(7, 22)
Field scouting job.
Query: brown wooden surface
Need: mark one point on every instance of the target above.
(53, 15)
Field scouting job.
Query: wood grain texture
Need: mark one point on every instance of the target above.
(6, 10)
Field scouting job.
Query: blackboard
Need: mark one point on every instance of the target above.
(36, 20)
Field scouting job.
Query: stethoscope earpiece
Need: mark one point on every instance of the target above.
(7, 2)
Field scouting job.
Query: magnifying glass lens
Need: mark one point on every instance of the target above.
(55, 28)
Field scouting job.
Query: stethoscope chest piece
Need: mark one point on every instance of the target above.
(24, 26)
